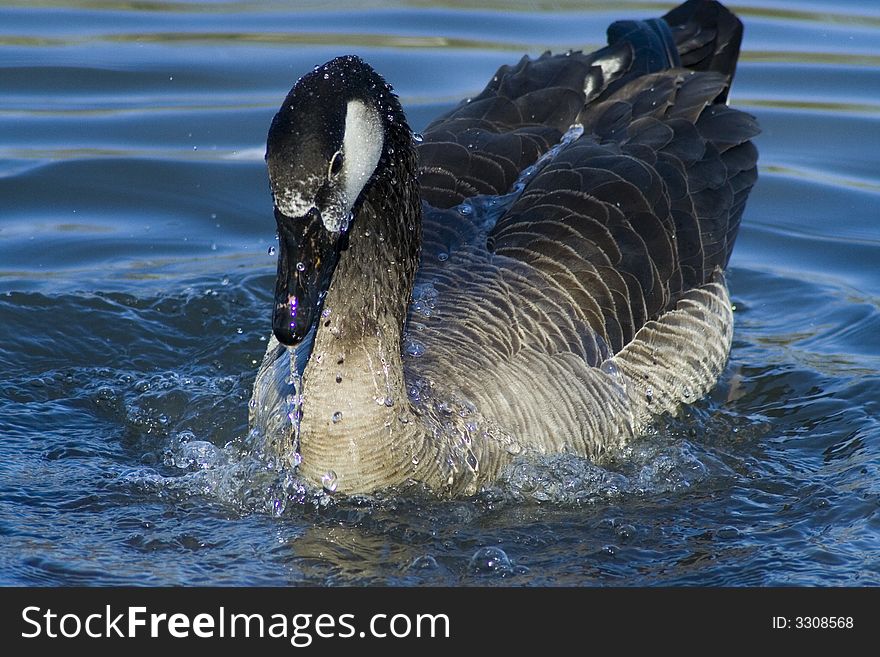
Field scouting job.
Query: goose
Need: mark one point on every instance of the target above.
(540, 271)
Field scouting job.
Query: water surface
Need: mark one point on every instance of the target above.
(135, 298)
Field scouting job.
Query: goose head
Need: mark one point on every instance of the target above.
(337, 140)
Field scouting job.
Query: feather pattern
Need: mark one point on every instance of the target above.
(577, 217)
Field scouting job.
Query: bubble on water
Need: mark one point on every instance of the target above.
(418, 137)
(727, 532)
(329, 481)
(466, 209)
(490, 561)
(300, 266)
(625, 532)
(424, 562)
(198, 454)
(442, 256)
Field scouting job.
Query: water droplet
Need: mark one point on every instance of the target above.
(338, 378)
(414, 348)
(472, 460)
(329, 481)
(337, 416)
(687, 392)
(649, 394)
(300, 266)
(389, 402)
(415, 460)
(325, 313)
(514, 448)
(271, 251)
(418, 137)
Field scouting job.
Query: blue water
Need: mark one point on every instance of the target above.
(135, 298)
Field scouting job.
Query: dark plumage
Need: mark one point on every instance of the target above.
(576, 218)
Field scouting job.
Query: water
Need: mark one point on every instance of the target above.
(136, 291)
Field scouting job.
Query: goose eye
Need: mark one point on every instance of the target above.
(336, 164)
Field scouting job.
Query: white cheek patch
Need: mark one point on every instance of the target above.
(362, 147)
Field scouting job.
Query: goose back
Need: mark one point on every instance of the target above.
(584, 299)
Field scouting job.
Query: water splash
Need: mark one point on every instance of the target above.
(572, 134)
(329, 481)
(294, 407)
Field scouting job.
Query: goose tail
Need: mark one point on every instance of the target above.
(707, 37)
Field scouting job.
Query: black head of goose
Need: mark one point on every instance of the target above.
(540, 272)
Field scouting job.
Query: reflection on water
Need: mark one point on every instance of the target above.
(135, 290)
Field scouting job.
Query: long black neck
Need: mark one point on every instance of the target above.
(357, 421)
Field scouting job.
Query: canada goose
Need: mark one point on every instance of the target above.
(541, 271)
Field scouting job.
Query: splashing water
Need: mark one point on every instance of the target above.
(294, 409)
(574, 132)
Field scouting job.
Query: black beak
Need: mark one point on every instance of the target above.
(307, 256)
